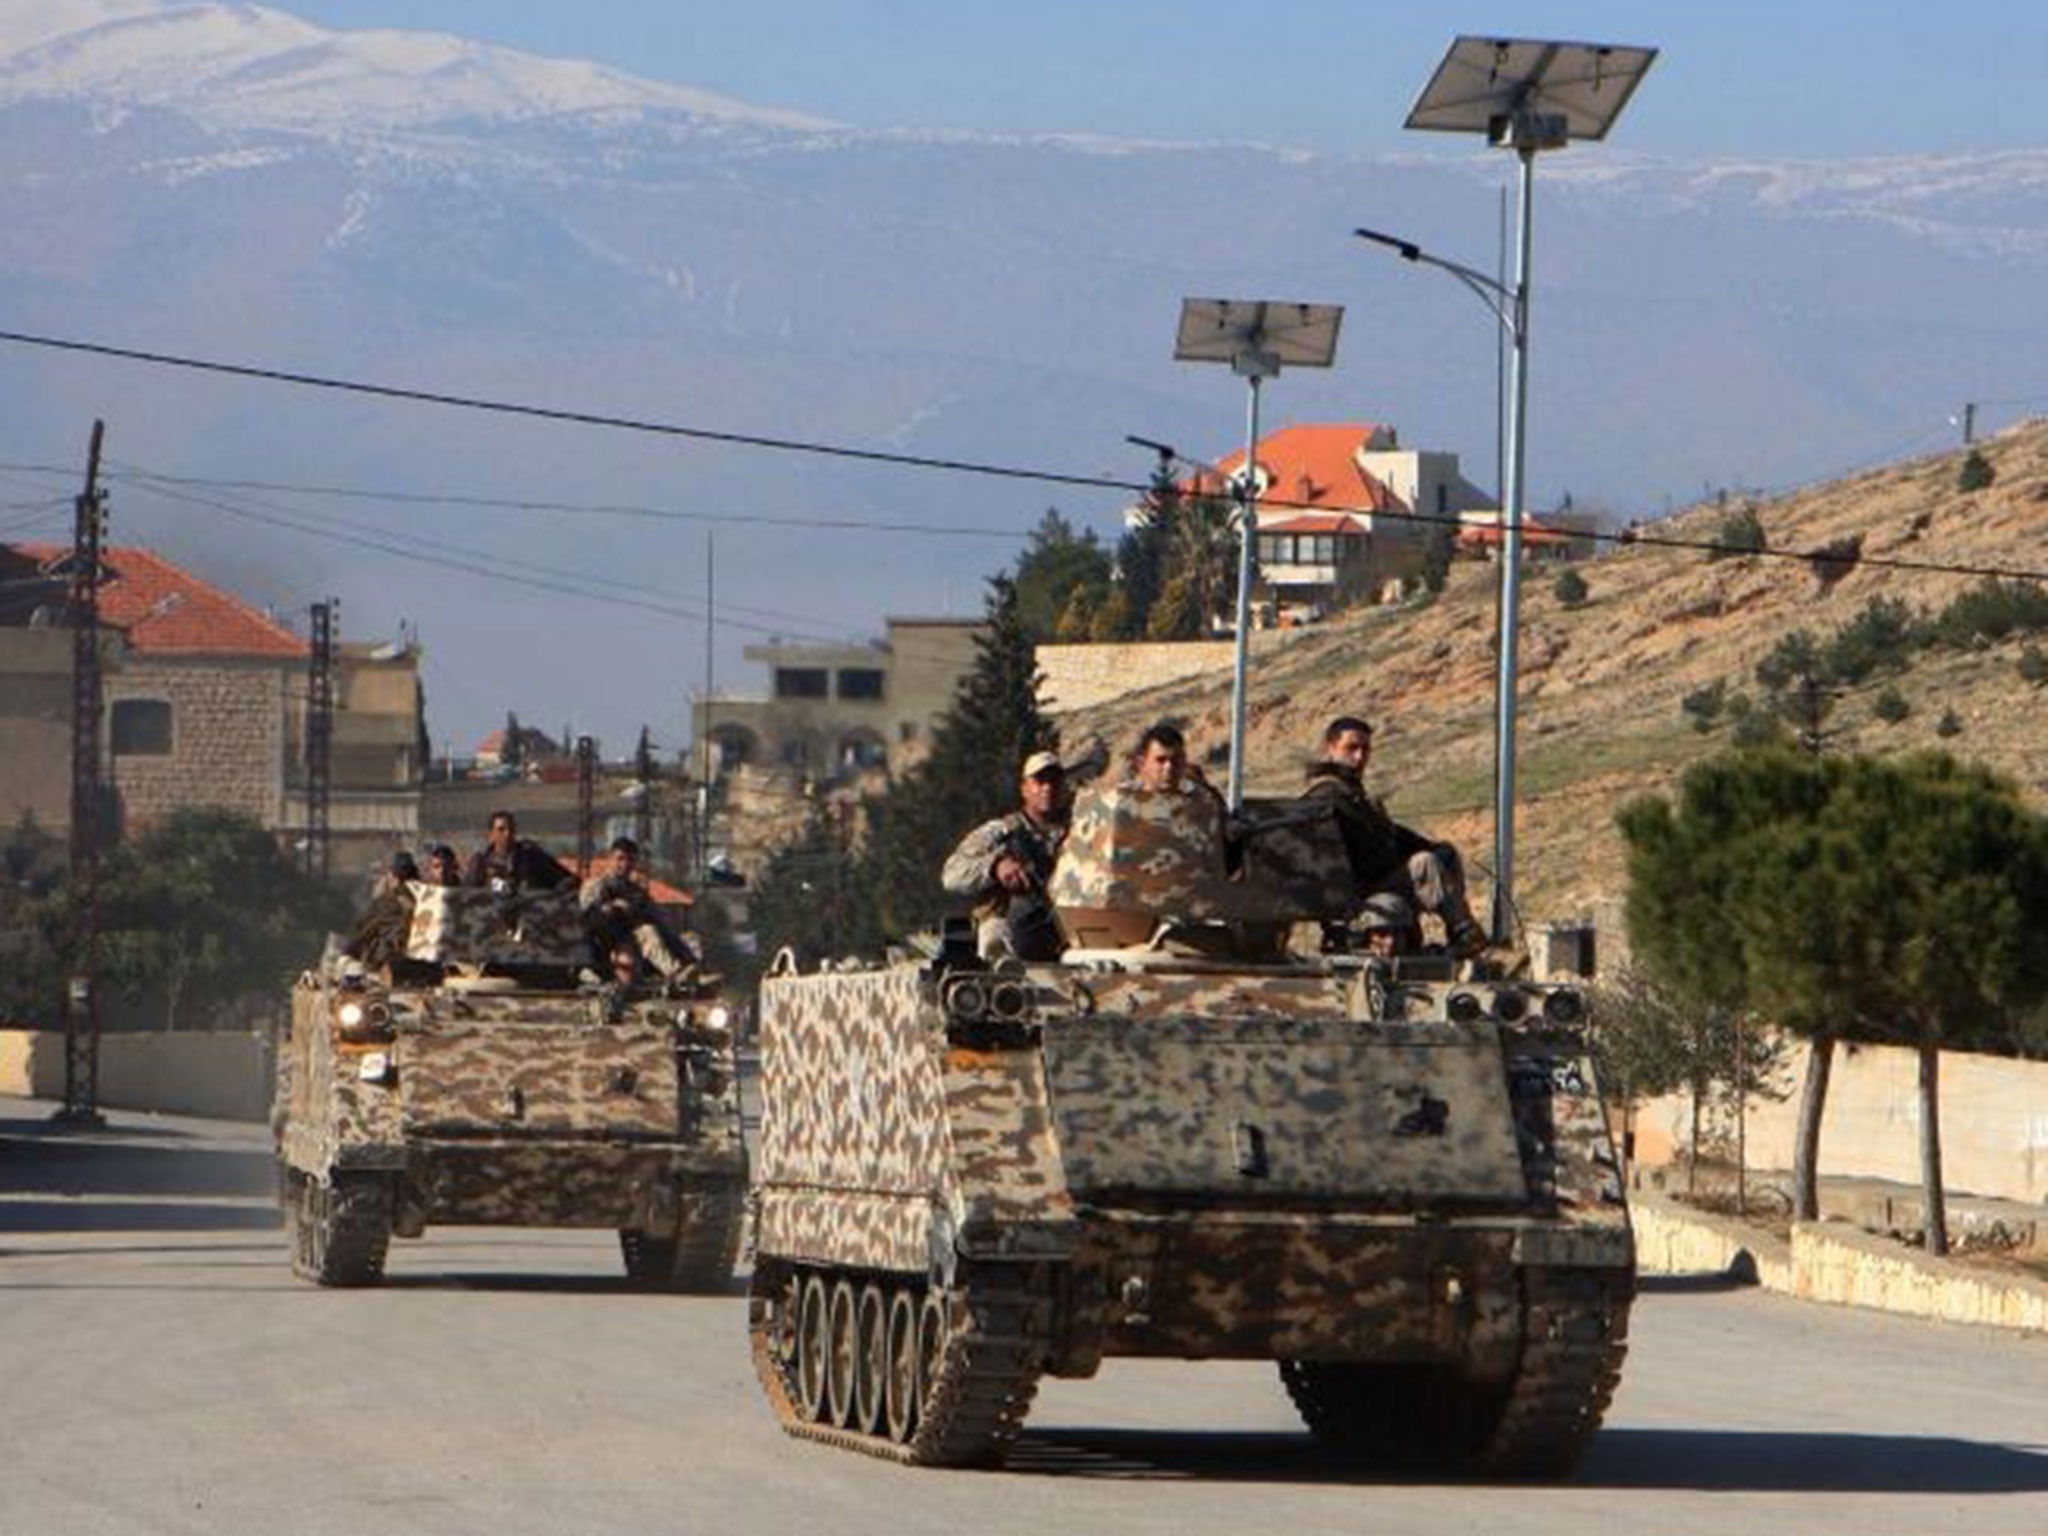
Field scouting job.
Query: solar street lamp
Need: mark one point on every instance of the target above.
(1256, 337)
(1526, 96)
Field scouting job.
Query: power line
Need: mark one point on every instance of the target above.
(905, 460)
(552, 413)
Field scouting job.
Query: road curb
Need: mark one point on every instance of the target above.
(1833, 1262)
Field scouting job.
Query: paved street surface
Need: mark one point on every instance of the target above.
(163, 1372)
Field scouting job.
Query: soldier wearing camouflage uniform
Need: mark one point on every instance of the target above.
(1002, 866)
(1386, 856)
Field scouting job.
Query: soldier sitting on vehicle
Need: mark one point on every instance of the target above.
(1002, 866)
(509, 865)
(1385, 856)
(380, 934)
(619, 913)
(443, 868)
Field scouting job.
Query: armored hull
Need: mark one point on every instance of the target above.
(1396, 1185)
(427, 1093)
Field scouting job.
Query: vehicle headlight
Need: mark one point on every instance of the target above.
(1465, 1008)
(1510, 1006)
(375, 1067)
(720, 1017)
(350, 1015)
(1564, 1007)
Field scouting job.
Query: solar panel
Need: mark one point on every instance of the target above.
(1291, 335)
(1483, 82)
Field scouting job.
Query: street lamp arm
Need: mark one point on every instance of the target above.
(1499, 300)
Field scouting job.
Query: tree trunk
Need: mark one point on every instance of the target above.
(1692, 1163)
(1930, 1149)
(1813, 1098)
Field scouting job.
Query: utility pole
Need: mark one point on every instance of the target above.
(81, 1011)
(643, 810)
(710, 674)
(1969, 422)
(586, 812)
(320, 738)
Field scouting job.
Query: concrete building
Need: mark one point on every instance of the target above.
(840, 710)
(1336, 514)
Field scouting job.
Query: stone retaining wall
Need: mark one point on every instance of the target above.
(1831, 1261)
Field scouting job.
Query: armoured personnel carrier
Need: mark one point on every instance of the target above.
(1390, 1177)
(479, 1079)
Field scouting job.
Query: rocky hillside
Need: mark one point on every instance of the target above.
(1603, 683)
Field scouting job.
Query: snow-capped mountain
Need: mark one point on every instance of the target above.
(245, 67)
(231, 181)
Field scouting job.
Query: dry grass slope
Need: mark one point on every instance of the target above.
(1602, 683)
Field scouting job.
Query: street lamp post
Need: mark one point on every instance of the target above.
(1256, 337)
(1527, 96)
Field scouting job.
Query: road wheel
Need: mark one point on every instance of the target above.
(871, 1360)
(901, 1386)
(843, 1365)
(813, 1349)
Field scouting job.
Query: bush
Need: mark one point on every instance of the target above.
(1570, 588)
(2033, 666)
(1756, 728)
(1880, 638)
(1891, 706)
(1741, 533)
(1703, 706)
(1950, 724)
(1990, 611)
(1976, 472)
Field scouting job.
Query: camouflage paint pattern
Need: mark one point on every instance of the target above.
(462, 925)
(1161, 854)
(1221, 1161)
(519, 1107)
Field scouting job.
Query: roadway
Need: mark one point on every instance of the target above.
(163, 1373)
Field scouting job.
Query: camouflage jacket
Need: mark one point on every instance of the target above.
(1376, 844)
(970, 870)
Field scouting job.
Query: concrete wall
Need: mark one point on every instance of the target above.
(222, 1075)
(1081, 676)
(1994, 1122)
(227, 737)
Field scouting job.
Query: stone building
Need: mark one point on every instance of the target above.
(205, 706)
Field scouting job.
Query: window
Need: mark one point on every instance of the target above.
(800, 682)
(860, 682)
(1270, 548)
(1326, 549)
(141, 728)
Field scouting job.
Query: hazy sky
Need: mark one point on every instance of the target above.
(1798, 77)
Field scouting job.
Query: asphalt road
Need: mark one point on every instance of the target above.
(160, 1371)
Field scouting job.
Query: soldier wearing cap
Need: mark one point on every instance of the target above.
(1386, 856)
(1002, 866)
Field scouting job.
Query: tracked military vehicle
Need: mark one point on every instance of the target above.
(479, 1078)
(1390, 1177)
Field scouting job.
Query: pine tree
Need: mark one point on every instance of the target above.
(1976, 473)
(970, 775)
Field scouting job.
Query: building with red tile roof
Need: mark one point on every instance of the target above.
(1344, 511)
(205, 704)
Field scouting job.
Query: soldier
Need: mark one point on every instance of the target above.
(1385, 856)
(1002, 866)
(1160, 761)
(619, 914)
(509, 864)
(443, 868)
(380, 934)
